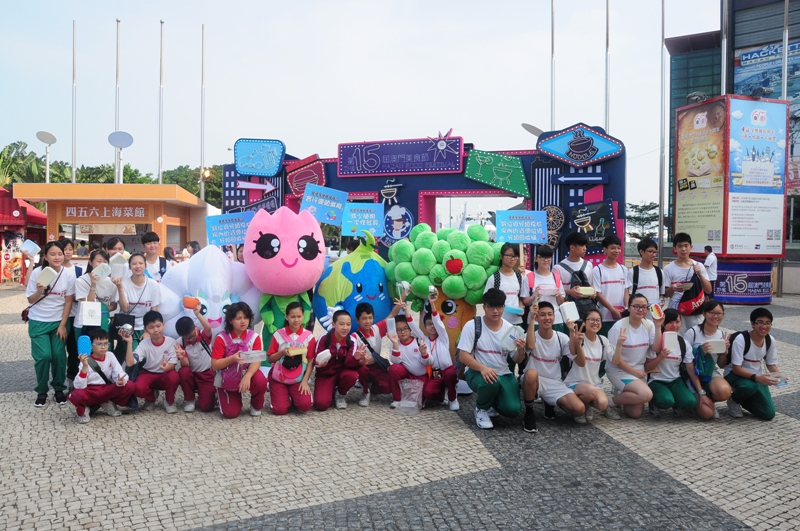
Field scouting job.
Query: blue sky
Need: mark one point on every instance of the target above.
(317, 73)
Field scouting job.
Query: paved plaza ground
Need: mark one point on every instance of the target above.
(371, 468)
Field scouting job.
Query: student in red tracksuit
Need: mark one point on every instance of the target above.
(373, 373)
(227, 349)
(288, 379)
(194, 358)
(336, 376)
(158, 372)
(410, 360)
(92, 389)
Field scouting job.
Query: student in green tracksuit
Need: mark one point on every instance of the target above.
(47, 325)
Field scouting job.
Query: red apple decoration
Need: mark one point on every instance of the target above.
(454, 266)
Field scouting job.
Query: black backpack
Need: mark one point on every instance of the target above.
(635, 284)
(579, 279)
(496, 277)
(746, 335)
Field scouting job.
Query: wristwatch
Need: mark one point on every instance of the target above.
(702, 392)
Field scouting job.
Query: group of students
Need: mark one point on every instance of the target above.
(618, 336)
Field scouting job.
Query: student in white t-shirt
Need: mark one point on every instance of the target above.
(681, 271)
(699, 338)
(646, 278)
(632, 337)
(142, 295)
(159, 357)
(745, 372)
(576, 242)
(510, 281)
(711, 268)
(545, 285)
(48, 313)
(106, 291)
(72, 341)
(157, 266)
(609, 282)
(585, 380)
(487, 362)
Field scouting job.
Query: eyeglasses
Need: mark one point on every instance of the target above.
(638, 307)
(100, 345)
(511, 256)
(763, 323)
(404, 329)
(493, 308)
(595, 321)
(716, 314)
(544, 258)
(650, 251)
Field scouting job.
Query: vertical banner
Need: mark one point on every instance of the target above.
(362, 216)
(325, 204)
(757, 179)
(699, 173)
(12, 257)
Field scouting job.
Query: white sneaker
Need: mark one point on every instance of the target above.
(188, 407)
(357, 385)
(612, 413)
(463, 388)
(109, 409)
(364, 402)
(589, 414)
(394, 404)
(170, 408)
(341, 402)
(734, 409)
(493, 412)
(255, 412)
(454, 406)
(580, 419)
(716, 413)
(83, 419)
(482, 419)
(147, 405)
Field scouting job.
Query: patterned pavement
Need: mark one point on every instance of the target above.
(371, 468)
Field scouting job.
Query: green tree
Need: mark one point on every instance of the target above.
(189, 179)
(17, 165)
(642, 220)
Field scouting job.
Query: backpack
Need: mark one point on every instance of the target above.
(162, 266)
(729, 355)
(681, 366)
(635, 284)
(496, 277)
(579, 279)
(694, 298)
(704, 364)
(532, 280)
(290, 376)
(231, 376)
(460, 368)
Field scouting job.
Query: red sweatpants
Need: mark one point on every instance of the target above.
(230, 402)
(94, 395)
(374, 379)
(434, 389)
(147, 382)
(282, 396)
(203, 383)
(324, 386)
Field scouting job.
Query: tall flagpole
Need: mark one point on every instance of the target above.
(117, 171)
(608, 70)
(202, 111)
(74, 92)
(662, 161)
(552, 66)
(161, 109)
(784, 96)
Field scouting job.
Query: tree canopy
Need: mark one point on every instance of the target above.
(642, 220)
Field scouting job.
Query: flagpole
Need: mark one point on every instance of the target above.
(161, 109)
(202, 110)
(662, 160)
(117, 161)
(552, 66)
(608, 69)
(74, 92)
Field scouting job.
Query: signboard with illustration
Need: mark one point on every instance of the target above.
(362, 216)
(597, 221)
(744, 282)
(228, 229)
(699, 173)
(12, 257)
(250, 193)
(521, 226)
(443, 154)
(580, 145)
(263, 158)
(325, 204)
(397, 224)
(757, 178)
(496, 170)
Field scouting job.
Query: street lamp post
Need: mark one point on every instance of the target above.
(48, 139)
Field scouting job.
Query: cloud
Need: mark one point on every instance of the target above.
(737, 115)
(781, 144)
(735, 145)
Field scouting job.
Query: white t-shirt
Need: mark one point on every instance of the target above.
(566, 276)
(595, 354)
(695, 337)
(648, 284)
(199, 357)
(634, 350)
(711, 266)
(51, 308)
(439, 348)
(675, 273)
(670, 366)
(72, 269)
(611, 283)
(513, 291)
(489, 351)
(153, 269)
(154, 355)
(141, 299)
(547, 283)
(105, 292)
(110, 367)
(752, 361)
(547, 354)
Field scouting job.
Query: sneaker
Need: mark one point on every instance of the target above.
(147, 405)
(734, 409)
(612, 413)
(170, 408)
(255, 412)
(357, 385)
(549, 412)
(109, 409)
(364, 402)
(716, 413)
(394, 404)
(133, 404)
(41, 400)
(482, 419)
(537, 400)
(188, 407)
(530, 421)
(580, 419)
(155, 393)
(341, 402)
(454, 405)
(463, 388)
(677, 412)
(493, 412)
(60, 398)
(83, 419)
(589, 414)
(654, 411)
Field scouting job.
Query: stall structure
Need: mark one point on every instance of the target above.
(123, 210)
(730, 189)
(19, 221)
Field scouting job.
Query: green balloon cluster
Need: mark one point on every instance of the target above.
(456, 261)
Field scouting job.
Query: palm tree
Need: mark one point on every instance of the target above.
(17, 165)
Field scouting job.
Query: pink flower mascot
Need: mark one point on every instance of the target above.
(284, 255)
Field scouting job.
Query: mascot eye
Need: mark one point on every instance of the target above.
(449, 307)
(267, 245)
(427, 306)
(203, 309)
(380, 287)
(308, 247)
(359, 287)
(225, 308)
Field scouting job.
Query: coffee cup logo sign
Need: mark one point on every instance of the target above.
(581, 147)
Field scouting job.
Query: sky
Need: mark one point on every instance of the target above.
(318, 73)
